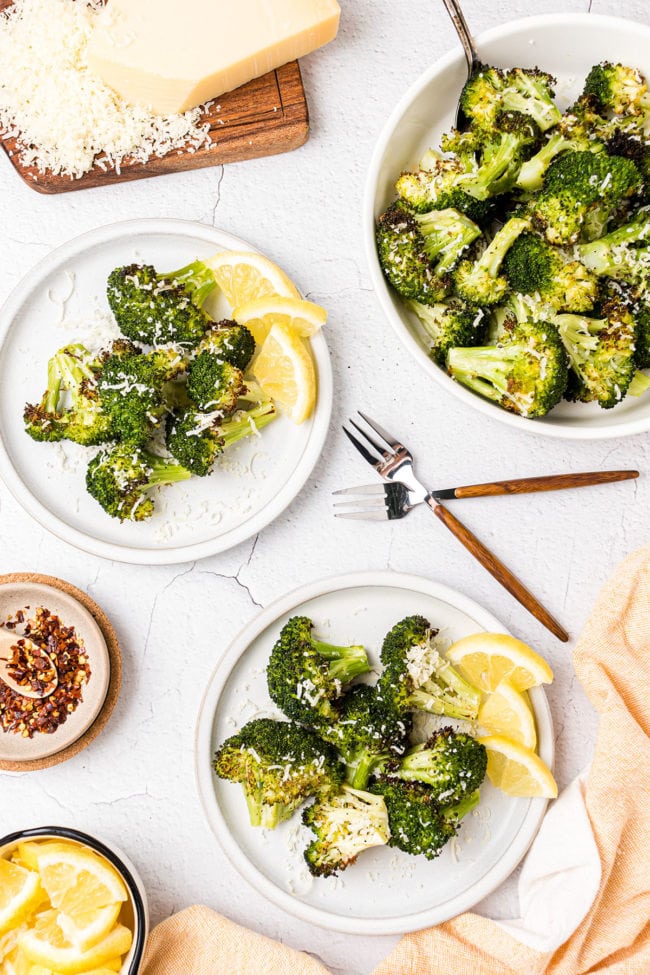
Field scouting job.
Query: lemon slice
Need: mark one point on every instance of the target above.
(243, 277)
(20, 892)
(260, 315)
(486, 659)
(16, 963)
(45, 944)
(27, 853)
(85, 928)
(517, 770)
(104, 970)
(78, 880)
(286, 373)
(507, 712)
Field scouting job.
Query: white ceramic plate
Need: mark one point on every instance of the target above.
(566, 45)
(250, 486)
(386, 891)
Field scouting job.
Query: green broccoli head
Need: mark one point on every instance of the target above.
(345, 825)
(451, 763)
(229, 342)
(491, 91)
(526, 372)
(213, 384)
(451, 324)
(160, 308)
(403, 256)
(617, 88)
(280, 765)
(306, 676)
(130, 389)
(196, 439)
(442, 187)
(417, 677)
(119, 478)
(534, 267)
(481, 282)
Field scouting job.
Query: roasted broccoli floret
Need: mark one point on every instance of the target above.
(526, 372)
(366, 733)
(491, 91)
(451, 763)
(581, 191)
(581, 129)
(279, 765)
(617, 88)
(481, 282)
(442, 186)
(533, 267)
(120, 476)
(345, 826)
(418, 824)
(70, 408)
(213, 384)
(131, 390)
(229, 342)
(602, 353)
(196, 439)
(451, 324)
(306, 676)
(624, 253)
(158, 308)
(416, 676)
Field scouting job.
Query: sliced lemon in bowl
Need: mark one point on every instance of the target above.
(84, 928)
(78, 880)
(45, 944)
(285, 371)
(20, 893)
(244, 276)
(517, 770)
(488, 658)
(260, 315)
(507, 712)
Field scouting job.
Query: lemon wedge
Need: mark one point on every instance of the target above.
(259, 316)
(78, 880)
(45, 944)
(286, 373)
(243, 277)
(86, 927)
(20, 892)
(517, 770)
(507, 712)
(486, 659)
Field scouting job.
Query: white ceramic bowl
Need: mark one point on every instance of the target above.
(386, 892)
(137, 900)
(566, 45)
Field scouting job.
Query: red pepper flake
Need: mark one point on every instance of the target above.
(26, 716)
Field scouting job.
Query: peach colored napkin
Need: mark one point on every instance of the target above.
(612, 660)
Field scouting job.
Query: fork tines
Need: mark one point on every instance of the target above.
(371, 503)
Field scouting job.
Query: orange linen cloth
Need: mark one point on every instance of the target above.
(612, 660)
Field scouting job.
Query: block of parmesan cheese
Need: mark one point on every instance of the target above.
(174, 54)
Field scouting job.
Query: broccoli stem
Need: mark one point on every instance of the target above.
(198, 277)
(531, 174)
(640, 384)
(532, 99)
(246, 423)
(361, 768)
(346, 663)
(463, 807)
(164, 471)
(51, 401)
(486, 369)
(429, 697)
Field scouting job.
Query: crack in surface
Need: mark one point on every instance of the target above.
(218, 199)
(154, 605)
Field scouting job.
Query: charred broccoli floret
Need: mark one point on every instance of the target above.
(229, 341)
(492, 91)
(618, 89)
(366, 733)
(131, 390)
(416, 676)
(280, 765)
(196, 439)
(306, 676)
(624, 253)
(581, 129)
(581, 191)
(158, 308)
(345, 825)
(451, 324)
(442, 186)
(481, 282)
(214, 385)
(119, 478)
(418, 824)
(533, 267)
(526, 372)
(451, 763)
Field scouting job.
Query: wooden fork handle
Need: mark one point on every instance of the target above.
(497, 569)
(553, 482)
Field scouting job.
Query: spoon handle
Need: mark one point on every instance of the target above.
(458, 19)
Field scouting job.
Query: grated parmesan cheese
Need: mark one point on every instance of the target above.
(65, 119)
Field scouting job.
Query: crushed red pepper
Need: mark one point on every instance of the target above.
(28, 716)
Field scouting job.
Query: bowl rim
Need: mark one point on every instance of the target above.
(381, 288)
(126, 872)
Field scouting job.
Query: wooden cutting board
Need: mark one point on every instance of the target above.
(267, 116)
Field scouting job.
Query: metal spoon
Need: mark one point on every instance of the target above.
(453, 8)
(9, 640)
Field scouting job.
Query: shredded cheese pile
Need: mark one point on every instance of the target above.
(66, 120)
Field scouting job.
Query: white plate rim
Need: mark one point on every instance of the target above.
(399, 924)
(182, 553)
(381, 289)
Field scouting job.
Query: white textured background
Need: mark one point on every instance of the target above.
(135, 785)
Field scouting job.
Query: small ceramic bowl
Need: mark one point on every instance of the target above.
(138, 920)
